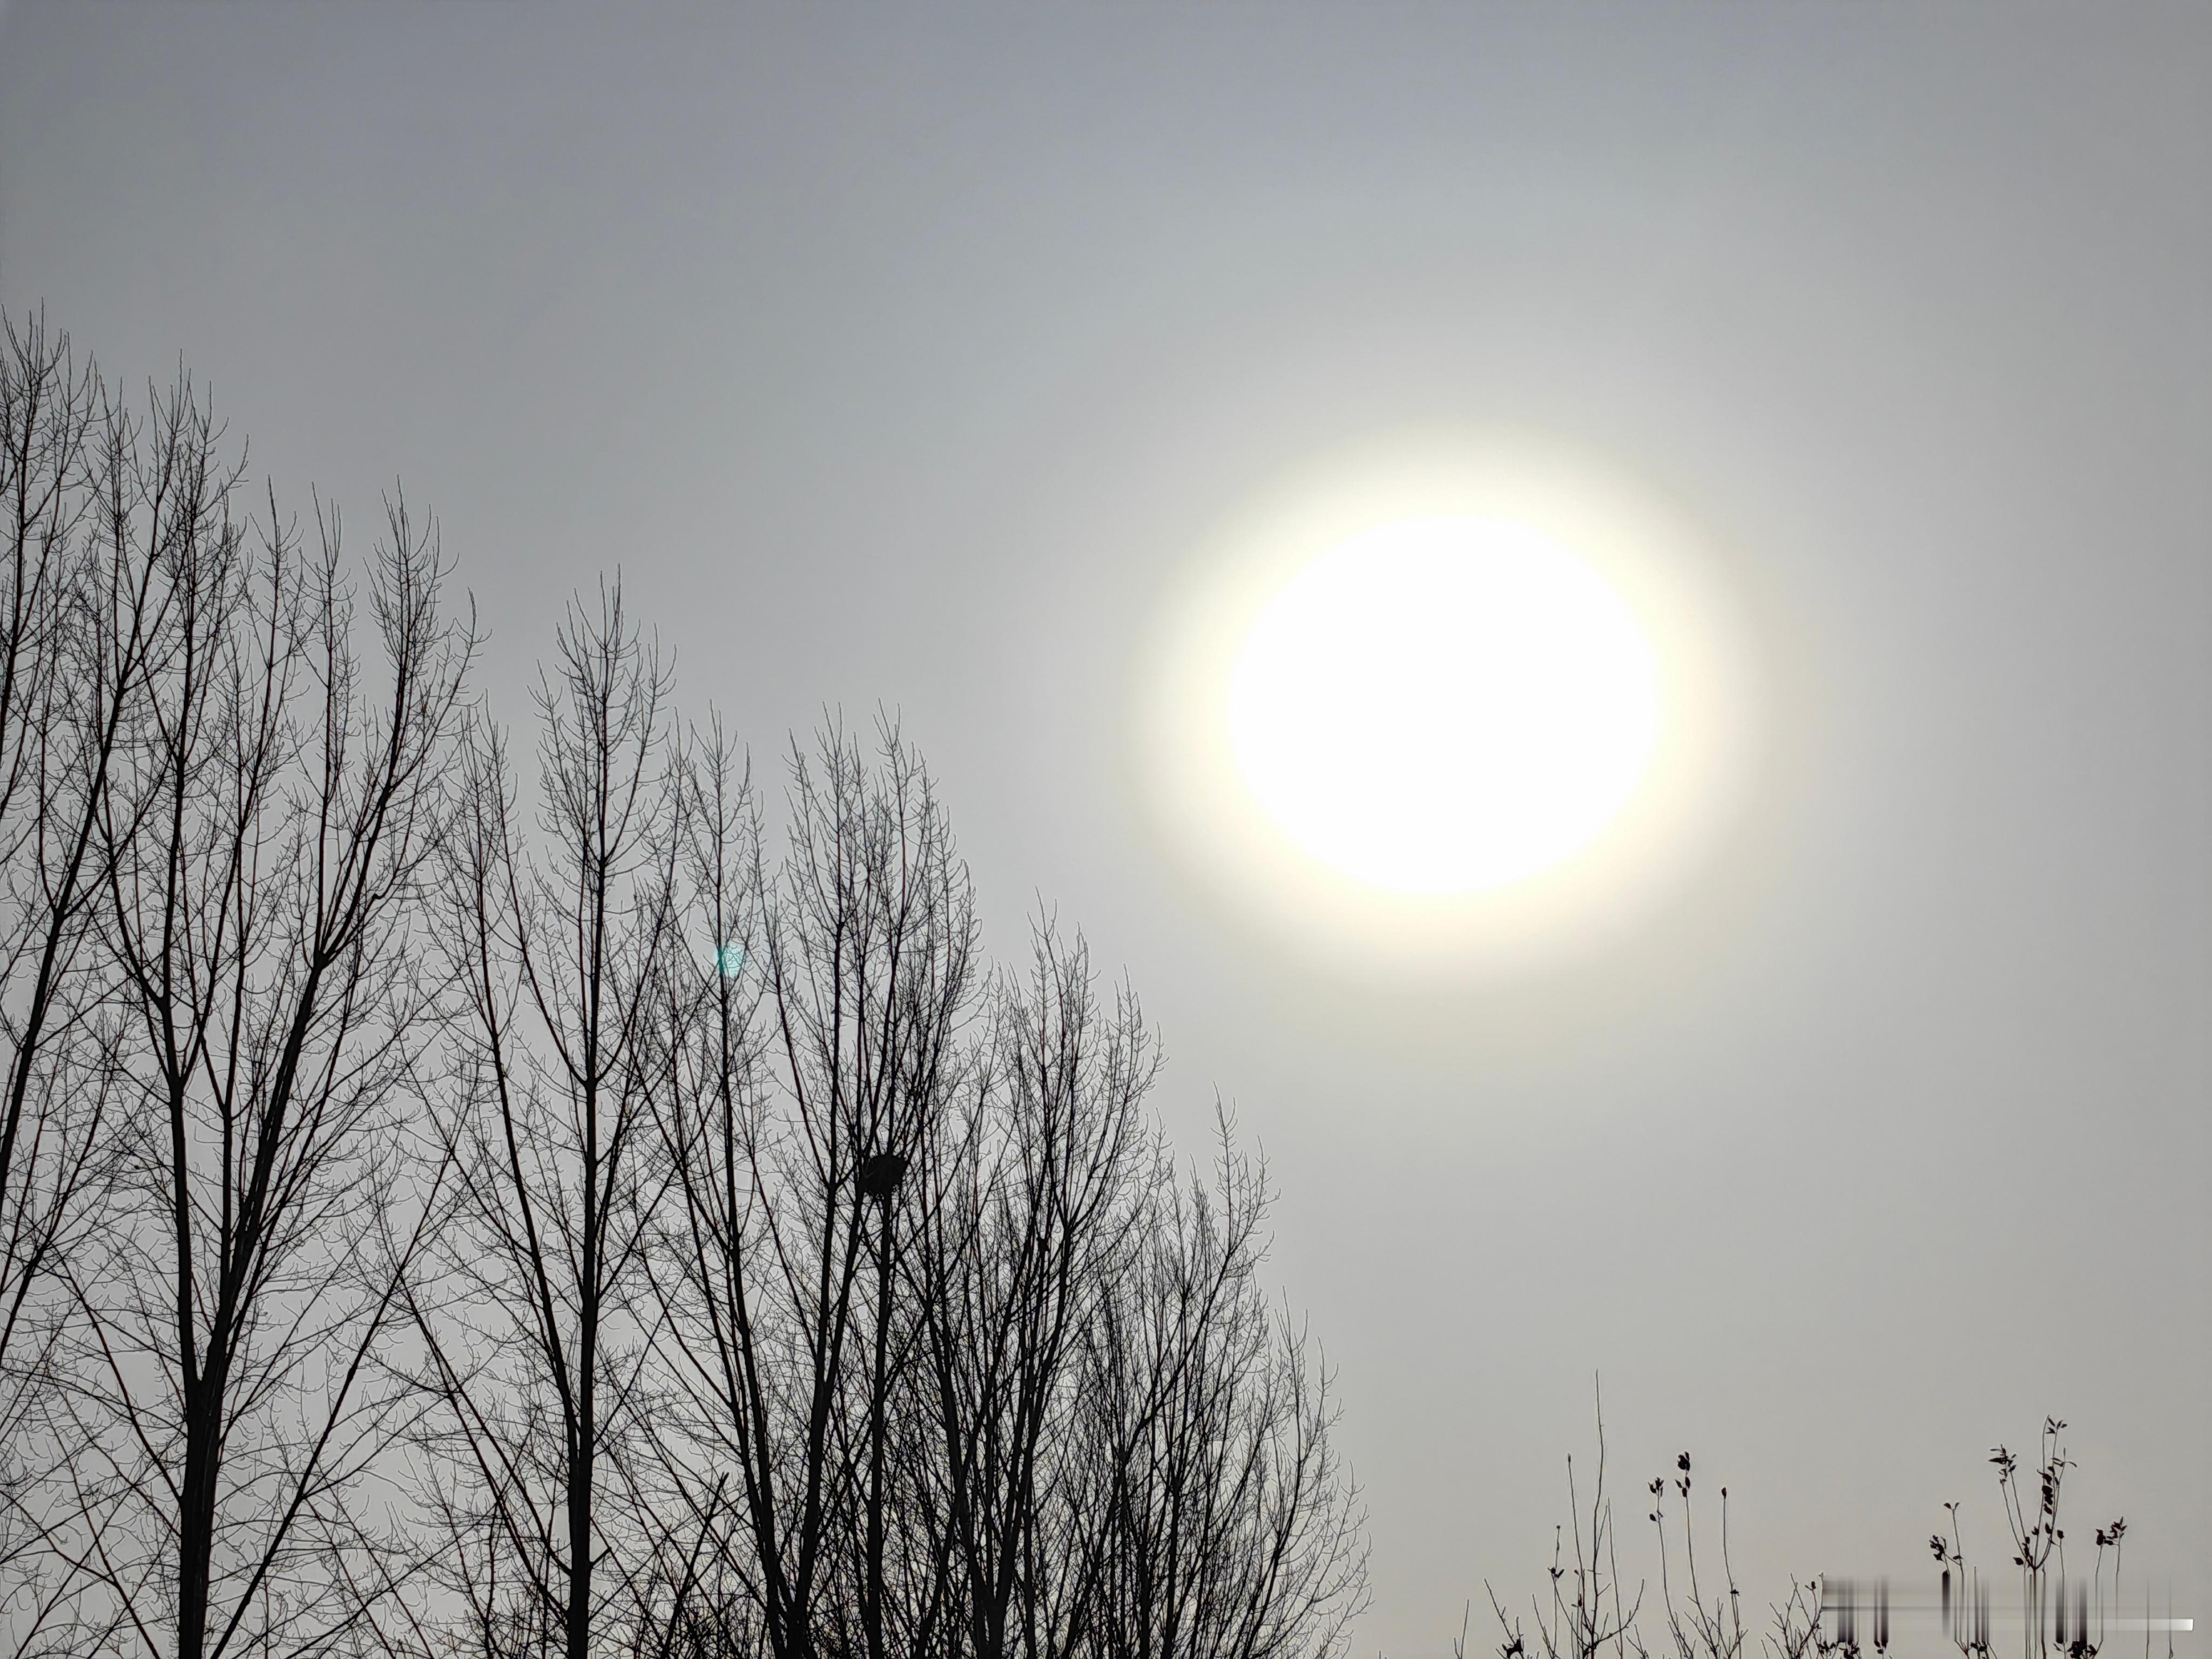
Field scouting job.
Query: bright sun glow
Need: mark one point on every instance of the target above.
(1464, 695)
(1444, 705)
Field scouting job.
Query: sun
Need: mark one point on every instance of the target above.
(1469, 696)
(1444, 705)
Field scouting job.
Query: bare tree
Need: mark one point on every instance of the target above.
(1033, 1210)
(563, 945)
(1231, 1529)
(428, 1226)
(268, 812)
(963, 1371)
(801, 1106)
(74, 635)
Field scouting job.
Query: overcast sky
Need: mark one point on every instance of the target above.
(907, 356)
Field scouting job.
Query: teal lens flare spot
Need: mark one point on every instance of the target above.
(729, 960)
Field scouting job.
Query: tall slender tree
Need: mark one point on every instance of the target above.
(1033, 1219)
(270, 811)
(75, 594)
(561, 945)
(802, 1105)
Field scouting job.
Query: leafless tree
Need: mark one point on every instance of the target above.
(1034, 1208)
(563, 944)
(1231, 1527)
(430, 1226)
(802, 1100)
(75, 635)
(271, 803)
(963, 1371)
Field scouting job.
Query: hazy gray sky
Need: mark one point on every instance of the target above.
(907, 355)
